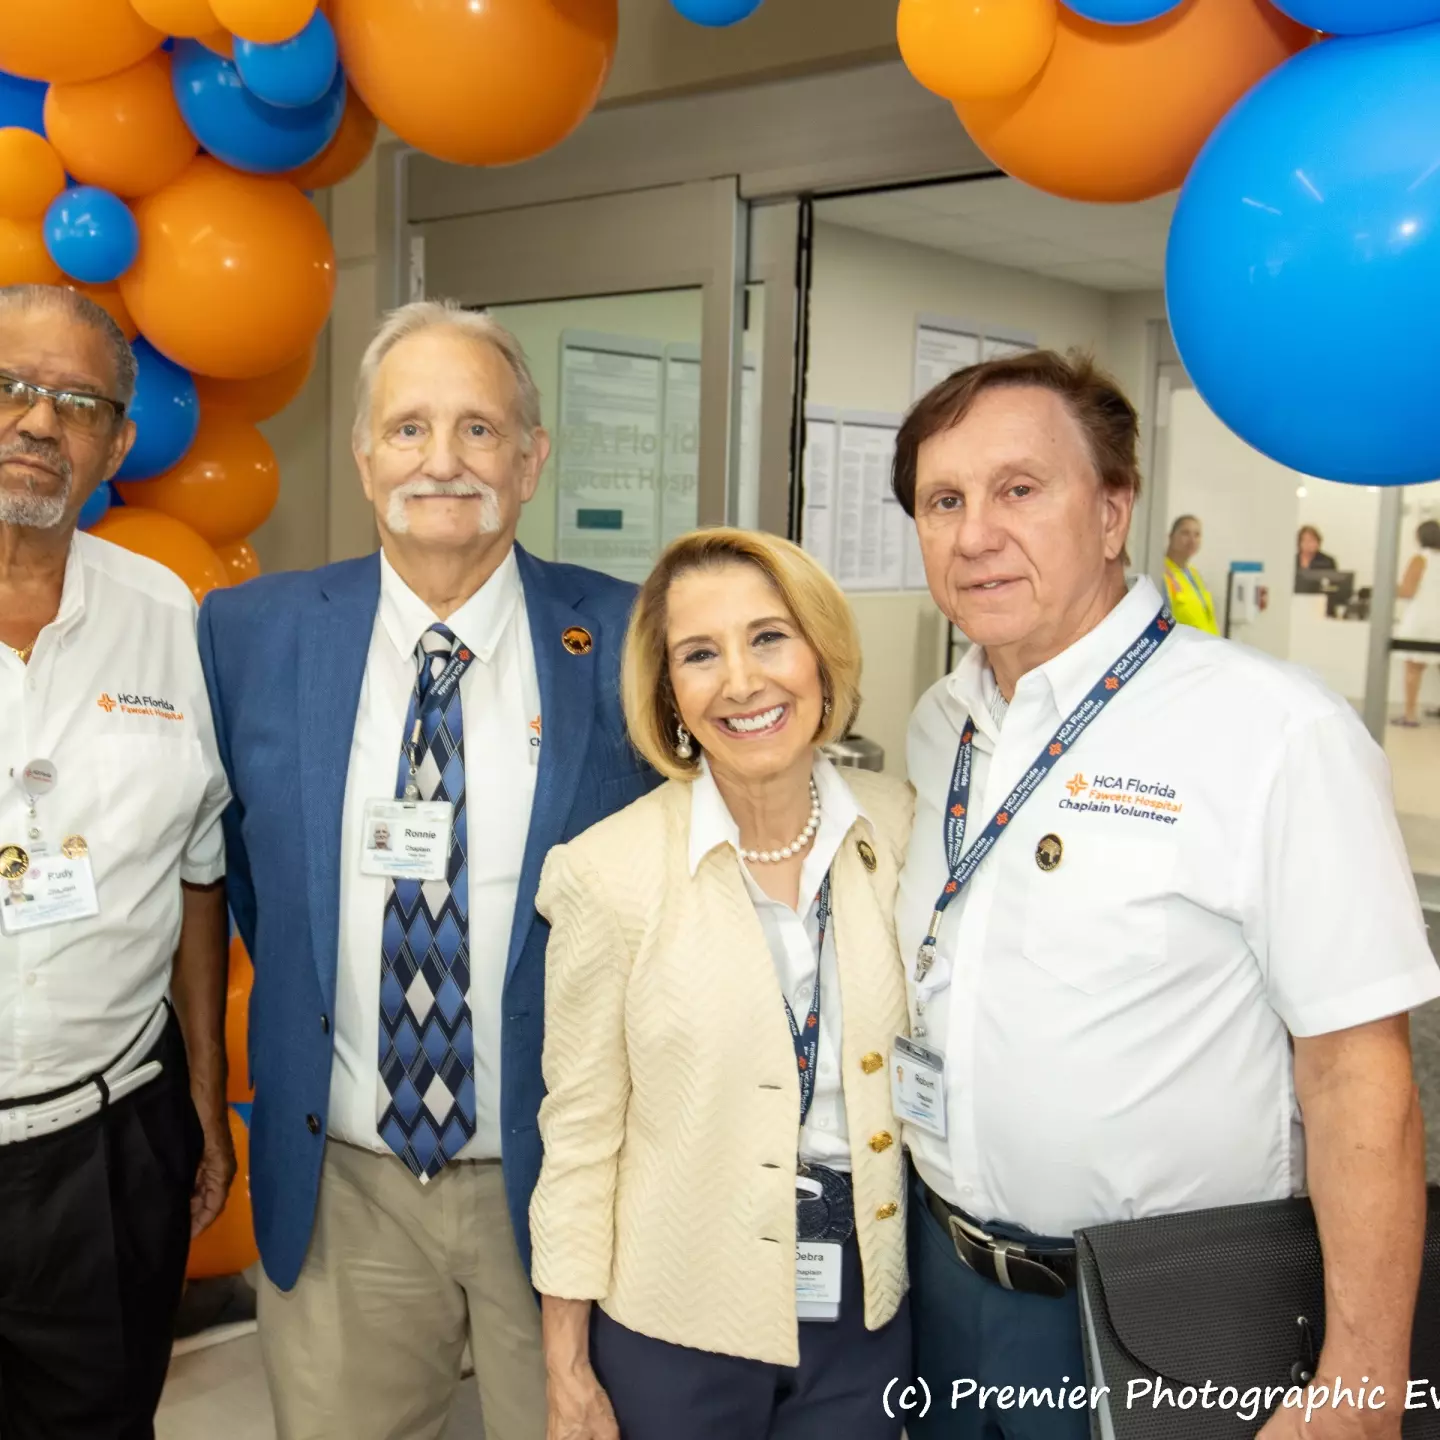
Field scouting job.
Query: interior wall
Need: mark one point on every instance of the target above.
(867, 292)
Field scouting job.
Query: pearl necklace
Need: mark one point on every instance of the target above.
(772, 857)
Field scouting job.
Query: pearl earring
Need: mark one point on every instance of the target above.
(683, 747)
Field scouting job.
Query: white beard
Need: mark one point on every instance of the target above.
(34, 512)
(397, 517)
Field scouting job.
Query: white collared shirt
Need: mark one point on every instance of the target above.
(792, 936)
(500, 704)
(114, 697)
(1115, 1028)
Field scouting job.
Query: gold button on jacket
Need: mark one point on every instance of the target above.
(871, 1061)
(882, 1140)
(886, 1210)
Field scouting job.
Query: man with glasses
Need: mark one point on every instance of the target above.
(111, 858)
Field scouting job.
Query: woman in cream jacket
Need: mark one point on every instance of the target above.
(719, 1229)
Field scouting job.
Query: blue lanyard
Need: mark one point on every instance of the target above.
(423, 718)
(807, 1042)
(962, 863)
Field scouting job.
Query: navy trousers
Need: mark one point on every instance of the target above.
(969, 1329)
(661, 1391)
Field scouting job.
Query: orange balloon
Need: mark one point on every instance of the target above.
(228, 1246)
(975, 49)
(243, 564)
(225, 486)
(260, 399)
(31, 174)
(1120, 111)
(478, 84)
(236, 272)
(24, 260)
(107, 297)
(72, 39)
(266, 22)
(123, 133)
(238, 1090)
(222, 42)
(185, 18)
(168, 542)
(346, 153)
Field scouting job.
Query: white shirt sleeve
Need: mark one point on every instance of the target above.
(203, 860)
(1333, 915)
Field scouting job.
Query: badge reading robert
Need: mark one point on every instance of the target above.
(917, 1085)
(406, 839)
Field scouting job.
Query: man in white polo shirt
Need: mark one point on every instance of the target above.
(1196, 924)
(111, 793)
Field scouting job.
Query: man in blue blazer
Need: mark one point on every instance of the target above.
(406, 736)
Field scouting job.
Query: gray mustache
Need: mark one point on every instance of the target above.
(37, 450)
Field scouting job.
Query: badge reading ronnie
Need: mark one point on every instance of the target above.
(14, 863)
(1049, 852)
(867, 855)
(577, 640)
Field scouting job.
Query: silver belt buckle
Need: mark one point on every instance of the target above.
(999, 1250)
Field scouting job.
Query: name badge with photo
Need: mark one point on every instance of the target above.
(406, 839)
(917, 1085)
(817, 1279)
(55, 890)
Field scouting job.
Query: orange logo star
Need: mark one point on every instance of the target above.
(1111, 683)
(1163, 626)
(957, 811)
(1002, 818)
(1056, 748)
(951, 888)
(967, 737)
(535, 726)
(106, 703)
(1076, 785)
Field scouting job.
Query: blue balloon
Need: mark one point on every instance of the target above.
(1303, 269)
(91, 234)
(166, 412)
(1122, 12)
(298, 72)
(22, 103)
(1361, 17)
(716, 12)
(241, 130)
(97, 507)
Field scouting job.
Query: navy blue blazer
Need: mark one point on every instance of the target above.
(284, 657)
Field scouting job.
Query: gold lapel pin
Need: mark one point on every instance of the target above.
(1049, 852)
(577, 640)
(867, 855)
(14, 862)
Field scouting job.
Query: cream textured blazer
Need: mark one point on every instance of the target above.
(672, 1117)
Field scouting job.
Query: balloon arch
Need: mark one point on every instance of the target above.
(159, 156)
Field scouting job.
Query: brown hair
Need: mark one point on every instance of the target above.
(1428, 535)
(1095, 400)
(822, 615)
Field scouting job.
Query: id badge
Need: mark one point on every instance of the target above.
(917, 1085)
(817, 1279)
(55, 890)
(406, 839)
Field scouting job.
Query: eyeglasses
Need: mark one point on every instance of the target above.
(77, 411)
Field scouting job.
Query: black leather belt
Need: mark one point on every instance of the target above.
(1006, 1263)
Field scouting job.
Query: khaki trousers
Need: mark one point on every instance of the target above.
(368, 1344)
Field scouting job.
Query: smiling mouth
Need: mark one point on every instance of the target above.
(989, 587)
(759, 722)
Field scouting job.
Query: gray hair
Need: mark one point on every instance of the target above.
(83, 311)
(422, 315)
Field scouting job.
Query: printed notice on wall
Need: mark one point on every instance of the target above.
(822, 440)
(608, 452)
(943, 346)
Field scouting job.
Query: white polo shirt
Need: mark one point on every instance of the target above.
(114, 698)
(500, 705)
(1116, 1029)
(791, 936)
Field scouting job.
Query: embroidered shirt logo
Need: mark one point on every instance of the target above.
(130, 704)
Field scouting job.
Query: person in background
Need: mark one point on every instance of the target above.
(115, 1145)
(399, 989)
(722, 980)
(1187, 592)
(1419, 588)
(1308, 554)
(1162, 931)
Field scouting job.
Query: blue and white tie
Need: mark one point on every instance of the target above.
(427, 1045)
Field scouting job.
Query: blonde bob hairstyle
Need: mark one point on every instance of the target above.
(814, 600)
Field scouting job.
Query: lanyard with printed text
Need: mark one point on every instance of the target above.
(963, 864)
(807, 1042)
(431, 708)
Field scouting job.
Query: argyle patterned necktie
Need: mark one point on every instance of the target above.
(427, 1046)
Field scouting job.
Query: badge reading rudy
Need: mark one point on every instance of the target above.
(14, 863)
(1049, 852)
(577, 640)
(867, 855)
